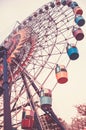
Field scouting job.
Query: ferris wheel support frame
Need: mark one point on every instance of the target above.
(49, 112)
(5, 85)
(32, 103)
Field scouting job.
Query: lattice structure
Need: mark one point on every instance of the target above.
(48, 123)
(39, 50)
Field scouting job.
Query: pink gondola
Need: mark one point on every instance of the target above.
(78, 10)
(78, 34)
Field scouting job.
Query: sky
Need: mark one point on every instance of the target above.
(72, 93)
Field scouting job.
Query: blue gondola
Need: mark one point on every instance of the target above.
(79, 20)
(72, 52)
(73, 4)
(63, 2)
(45, 98)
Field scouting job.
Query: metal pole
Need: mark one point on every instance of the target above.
(56, 119)
(6, 96)
(38, 124)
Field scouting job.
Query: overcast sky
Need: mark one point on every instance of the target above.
(74, 92)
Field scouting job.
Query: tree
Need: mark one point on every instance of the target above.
(79, 122)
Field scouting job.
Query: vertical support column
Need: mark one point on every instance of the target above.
(6, 96)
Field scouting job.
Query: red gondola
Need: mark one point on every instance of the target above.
(27, 119)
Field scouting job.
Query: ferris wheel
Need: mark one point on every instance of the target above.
(34, 60)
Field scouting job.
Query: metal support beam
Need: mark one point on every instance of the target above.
(52, 114)
(33, 84)
(6, 97)
(56, 119)
(38, 124)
